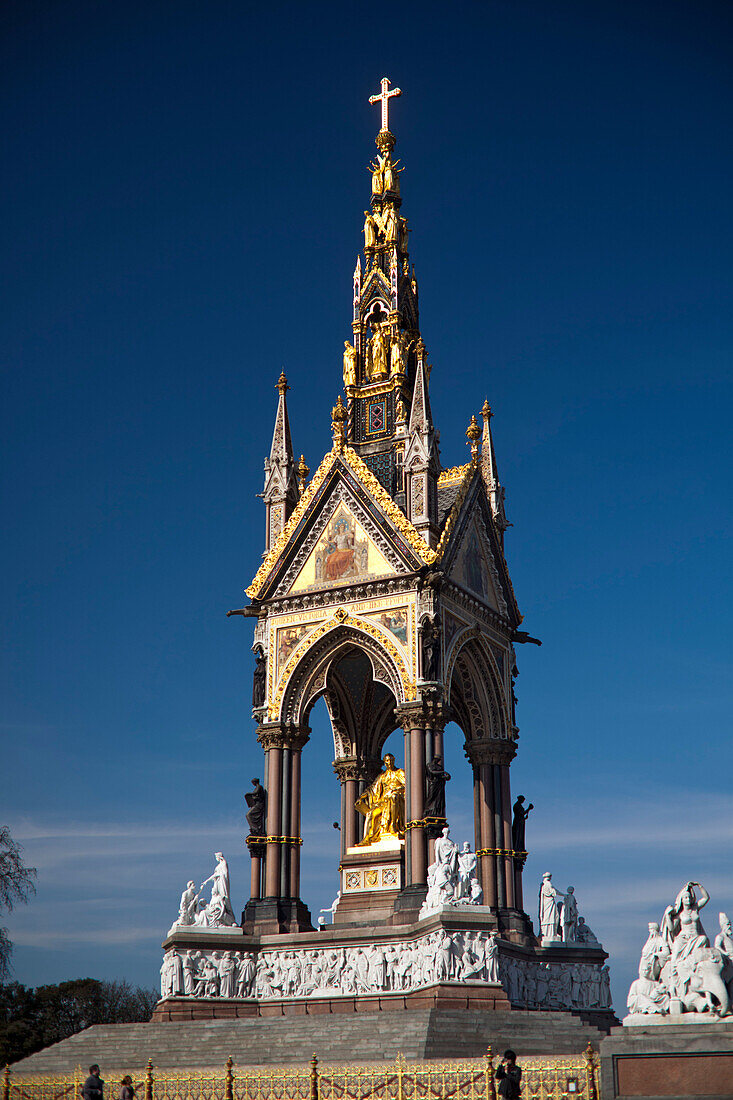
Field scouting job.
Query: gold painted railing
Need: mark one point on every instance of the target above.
(542, 1079)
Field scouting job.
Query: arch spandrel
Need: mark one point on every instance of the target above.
(305, 676)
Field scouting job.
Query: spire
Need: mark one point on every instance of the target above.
(280, 492)
(490, 473)
(421, 464)
(421, 419)
(380, 367)
(282, 445)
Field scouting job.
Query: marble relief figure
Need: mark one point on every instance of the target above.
(392, 967)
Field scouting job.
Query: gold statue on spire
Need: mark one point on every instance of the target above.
(351, 356)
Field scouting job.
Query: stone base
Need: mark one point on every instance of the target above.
(453, 954)
(270, 916)
(515, 925)
(445, 995)
(680, 1019)
(408, 904)
(371, 879)
(687, 1061)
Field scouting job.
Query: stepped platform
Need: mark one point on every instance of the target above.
(425, 1034)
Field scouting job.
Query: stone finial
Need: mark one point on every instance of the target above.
(302, 470)
(473, 435)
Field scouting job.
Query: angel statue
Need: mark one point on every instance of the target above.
(377, 170)
(370, 230)
(350, 357)
(397, 356)
(391, 175)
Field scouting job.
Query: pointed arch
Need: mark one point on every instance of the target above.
(475, 690)
(316, 671)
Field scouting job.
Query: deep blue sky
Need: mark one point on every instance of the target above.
(183, 195)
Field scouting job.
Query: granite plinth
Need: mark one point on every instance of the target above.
(684, 1060)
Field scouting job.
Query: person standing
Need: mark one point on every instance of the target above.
(127, 1090)
(509, 1076)
(93, 1088)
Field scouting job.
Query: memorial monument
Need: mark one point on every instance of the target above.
(385, 590)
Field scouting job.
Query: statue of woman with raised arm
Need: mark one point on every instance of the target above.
(681, 925)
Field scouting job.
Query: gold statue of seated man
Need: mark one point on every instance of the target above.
(383, 805)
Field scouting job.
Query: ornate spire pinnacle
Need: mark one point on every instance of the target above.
(280, 493)
(490, 473)
(282, 445)
(421, 463)
(421, 419)
(380, 366)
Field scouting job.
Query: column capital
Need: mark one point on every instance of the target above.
(490, 750)
(356, 768)
(286, 735)
(428, 714)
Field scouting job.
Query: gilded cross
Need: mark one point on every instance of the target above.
(384, 96)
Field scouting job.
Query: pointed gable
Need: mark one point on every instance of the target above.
(470, 550)
(474, 569)
(343, 504)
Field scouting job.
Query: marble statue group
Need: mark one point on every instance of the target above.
(559, 919)
(679, 970)
(217, 912)
(452, 878)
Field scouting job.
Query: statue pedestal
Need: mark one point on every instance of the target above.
(688, 1056)
(371, 879)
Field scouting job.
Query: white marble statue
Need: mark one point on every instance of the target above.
(570, 917)
(550, 903)
(165, 989)
(190, 968)
(452, 878)
(333, 906)
(218, 913)
(585, 934)
(679, 972)
(469, 888)
(188, 904)
(446, 854)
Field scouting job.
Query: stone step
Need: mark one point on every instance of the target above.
(369, 1037)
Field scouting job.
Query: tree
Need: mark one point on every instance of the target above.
(16, 884)
(31, 1019)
